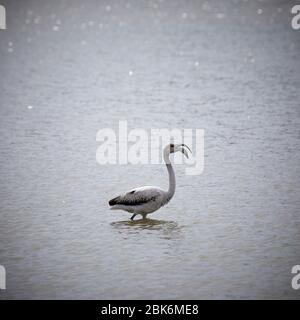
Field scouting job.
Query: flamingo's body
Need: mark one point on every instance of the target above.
(145, 200)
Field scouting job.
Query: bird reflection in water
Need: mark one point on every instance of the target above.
(166, 229)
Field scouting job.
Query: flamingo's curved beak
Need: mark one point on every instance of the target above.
(183, 146)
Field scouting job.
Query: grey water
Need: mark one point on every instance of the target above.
(70, 68)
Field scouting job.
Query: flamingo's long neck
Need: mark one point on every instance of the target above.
(172, 180)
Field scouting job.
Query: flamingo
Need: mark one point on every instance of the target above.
(147, 199)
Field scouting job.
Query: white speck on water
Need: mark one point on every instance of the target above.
(128, 5)
(196, 63)
(259, 11)
(279, 10)
(83, 42)
(220, 15)
(206, 7)
(83, 26)
(249, 57)
(292, 46)
(108, 8)
(10, 47)
(154, 5)
(55, 28)
(27, 21)
(91, 23)
(37, 20)
(58, 22)
(30, 107)
(184, 15)
(29, 40)
(29, 12)
(130, 73)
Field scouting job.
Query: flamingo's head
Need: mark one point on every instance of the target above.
(172, 148)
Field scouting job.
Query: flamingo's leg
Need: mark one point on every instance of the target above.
(133, 216)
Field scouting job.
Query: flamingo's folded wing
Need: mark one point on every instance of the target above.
(136, 197)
